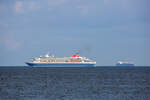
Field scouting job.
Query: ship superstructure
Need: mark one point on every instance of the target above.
(51, 61)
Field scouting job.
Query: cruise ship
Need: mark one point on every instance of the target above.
(50, 61)
(122, 63)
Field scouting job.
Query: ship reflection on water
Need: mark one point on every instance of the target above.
(97, 83)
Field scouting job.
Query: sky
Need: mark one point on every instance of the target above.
(106, 31)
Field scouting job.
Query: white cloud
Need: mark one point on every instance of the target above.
(26, 6)
(19, 7)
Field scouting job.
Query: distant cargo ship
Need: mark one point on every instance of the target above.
(122, 63)
(50, 61)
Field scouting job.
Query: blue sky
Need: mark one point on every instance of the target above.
(103, 30)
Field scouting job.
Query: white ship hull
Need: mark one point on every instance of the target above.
(61, 64)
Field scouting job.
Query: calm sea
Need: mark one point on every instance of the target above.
(97, 83)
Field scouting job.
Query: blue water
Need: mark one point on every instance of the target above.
(86, 83)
